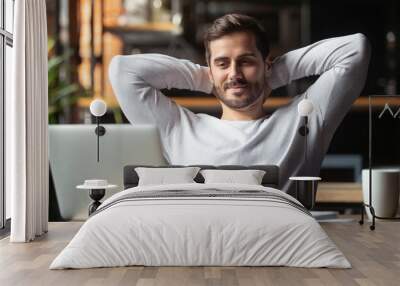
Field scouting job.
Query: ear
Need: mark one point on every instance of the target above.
(267, 68)
(210, 76)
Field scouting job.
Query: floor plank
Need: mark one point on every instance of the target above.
(375, 257)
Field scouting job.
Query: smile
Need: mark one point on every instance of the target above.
(238, 87)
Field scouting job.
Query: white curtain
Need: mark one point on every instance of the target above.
(26, 124)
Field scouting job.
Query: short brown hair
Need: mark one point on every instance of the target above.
(232, 23)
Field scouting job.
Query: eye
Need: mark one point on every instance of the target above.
(221, 65)
(246, 62)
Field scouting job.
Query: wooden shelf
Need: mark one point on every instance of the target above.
(145, 27)
(212, 103)
(85, 102)
(339, 193)
(189, 102)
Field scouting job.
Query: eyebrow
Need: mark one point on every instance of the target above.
(250, 54)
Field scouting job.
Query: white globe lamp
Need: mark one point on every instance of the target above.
(305, 107)
(98, 107)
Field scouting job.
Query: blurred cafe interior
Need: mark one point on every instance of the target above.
(84, 35)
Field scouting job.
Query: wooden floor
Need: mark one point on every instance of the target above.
(375, 256)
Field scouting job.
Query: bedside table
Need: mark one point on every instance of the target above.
(97, 190)
(306, 190)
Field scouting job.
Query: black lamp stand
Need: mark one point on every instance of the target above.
(303, 130)
(100, 131)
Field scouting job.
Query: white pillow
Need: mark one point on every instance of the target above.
(249, 177)
(163, 176)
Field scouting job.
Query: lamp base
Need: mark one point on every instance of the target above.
(96, 195)
(100, 130)
(303, 130)
(306, 190)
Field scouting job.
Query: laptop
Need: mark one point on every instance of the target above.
(73, 159)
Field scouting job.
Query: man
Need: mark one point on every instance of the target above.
(241, 77)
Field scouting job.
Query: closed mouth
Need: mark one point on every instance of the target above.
(238, 86)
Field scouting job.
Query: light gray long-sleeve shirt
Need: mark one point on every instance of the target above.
(190, 138)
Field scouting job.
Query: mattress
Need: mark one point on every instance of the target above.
(201, 225)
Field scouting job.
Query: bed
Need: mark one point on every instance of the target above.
(201, 224)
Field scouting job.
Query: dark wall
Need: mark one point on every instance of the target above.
(372, 18)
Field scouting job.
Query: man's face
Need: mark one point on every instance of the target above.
(237, 70)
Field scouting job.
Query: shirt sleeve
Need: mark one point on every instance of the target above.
(342, 64)
(137, 80)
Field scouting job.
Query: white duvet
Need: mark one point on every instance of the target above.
(200, 231)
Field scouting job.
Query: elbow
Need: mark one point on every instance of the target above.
(122, 66)
(122, 75)
(363, 48)
(119, 71)
(117, 75)
(114, 69)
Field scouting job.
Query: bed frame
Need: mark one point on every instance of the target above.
(270, 179)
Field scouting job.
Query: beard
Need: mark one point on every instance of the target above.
(246, 98)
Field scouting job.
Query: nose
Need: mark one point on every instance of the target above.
(235, 71)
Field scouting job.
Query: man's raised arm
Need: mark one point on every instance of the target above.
(342, 64)
(137, 79)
